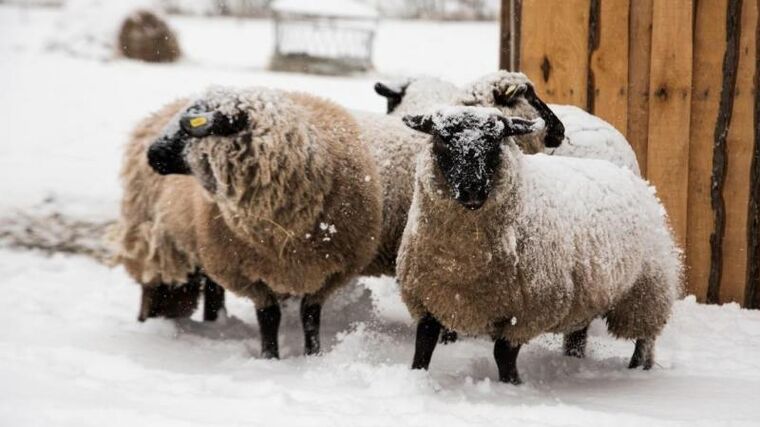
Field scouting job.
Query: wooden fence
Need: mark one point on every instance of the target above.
(679, 78)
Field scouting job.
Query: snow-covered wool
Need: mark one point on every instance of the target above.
(586, 135)
(415, 95)
(556, 241)
(276, 194)
(394, 147)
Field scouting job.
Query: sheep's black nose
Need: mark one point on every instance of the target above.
(165, 157)
(472, 200)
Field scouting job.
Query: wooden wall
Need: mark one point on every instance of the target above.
(679, 78)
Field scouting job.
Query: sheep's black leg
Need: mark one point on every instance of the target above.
(269, 325)
(575, 343)
(428, 330)
(506, 360)
(213, 299)
(643, 354)
(310, 314)
(448, 336)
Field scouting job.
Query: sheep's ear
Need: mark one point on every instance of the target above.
(514, 126)
(384, 90)
(419, 122)
(505, 97)
(202, 124)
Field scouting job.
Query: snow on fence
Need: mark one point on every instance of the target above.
(680, 79)
(328, 37)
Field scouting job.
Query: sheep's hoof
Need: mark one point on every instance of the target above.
(270, 354)
(513, 378)
(448, 336)
(643, 354)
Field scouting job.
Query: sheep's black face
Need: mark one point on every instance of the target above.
(167, 154)
(467, 148)
(393, 95)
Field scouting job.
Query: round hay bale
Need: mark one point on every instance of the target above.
(146, 36)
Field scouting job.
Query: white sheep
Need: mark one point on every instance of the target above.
(584, 135)
(509, 245)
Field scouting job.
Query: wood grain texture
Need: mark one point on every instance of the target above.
(554, 49)
(709, 48)
(639, 51)
(739, 144)
(505, 40)
(670, 107)
(609, 64)
(752, 294)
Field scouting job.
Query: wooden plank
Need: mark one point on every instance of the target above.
(639, 50)
(505, 42)
(752, 295)
(739, 144)
(670, 107)
(720, 151)
(709, 48)
(554, 48)
(609, 64)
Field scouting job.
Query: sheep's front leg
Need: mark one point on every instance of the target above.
(643, 354)
(269, 326)
(428, 330)
(574, 343)
(506, 360)
(310, 316)
(213, 299)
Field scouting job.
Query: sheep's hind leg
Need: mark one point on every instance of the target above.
(171, 301)
(574, 343)
(448, 336)
(506, 360)
(643, 354)
(213, 299)
(428, 330)
(310, 320)
(269, 326)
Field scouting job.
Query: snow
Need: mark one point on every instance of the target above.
(72, 353)
(338, 8)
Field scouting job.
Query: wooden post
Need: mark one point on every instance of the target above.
(752, 295)
(670, 106)
(639, 51)
(608, 63)
(555, 53)
(709, 49)
(505, 41)
(739, 157)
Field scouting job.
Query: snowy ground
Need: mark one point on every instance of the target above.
(71, 352)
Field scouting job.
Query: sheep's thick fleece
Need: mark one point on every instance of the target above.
(294, 207)
(559, 242)
(394, 147)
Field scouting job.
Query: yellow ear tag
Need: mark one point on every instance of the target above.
(198, 121)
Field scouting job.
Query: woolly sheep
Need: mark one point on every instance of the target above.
(507, 245)
(581, 134)
(268, 193)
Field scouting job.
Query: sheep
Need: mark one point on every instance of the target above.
(510, 245)
(415, 94)
(268, 193)
(146, 36)
(570, 131)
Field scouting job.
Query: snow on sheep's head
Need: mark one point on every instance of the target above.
(467, 147)
(514, 95)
